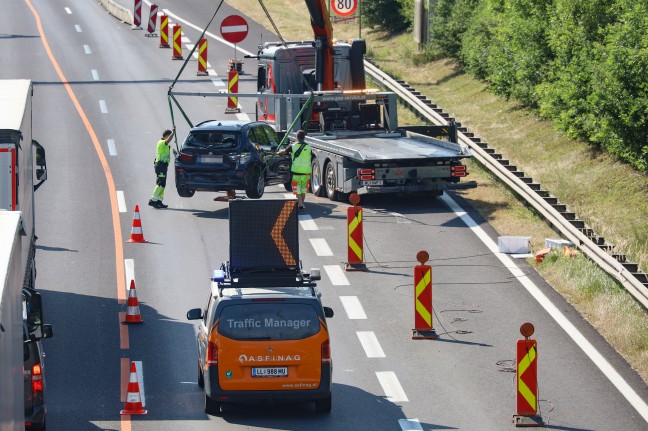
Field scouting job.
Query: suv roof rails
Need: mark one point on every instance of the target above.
(285, 277)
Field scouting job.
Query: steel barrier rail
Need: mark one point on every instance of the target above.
(592, 250)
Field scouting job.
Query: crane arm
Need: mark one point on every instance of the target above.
(323, 31)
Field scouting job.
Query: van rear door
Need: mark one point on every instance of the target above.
(270, 345)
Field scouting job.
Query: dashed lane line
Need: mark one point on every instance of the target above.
(391, 386)
(410, 425)
(103, 106)
(353, 307)
(321, 247)
(77, 27)
(370, 344)
(68, 11)
(306, 222)
(121, 201)
(336, 275)
(95, 75)
(112, 150)
(87, 49)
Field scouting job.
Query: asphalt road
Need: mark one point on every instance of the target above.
(99, 117)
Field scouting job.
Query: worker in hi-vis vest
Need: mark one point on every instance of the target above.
(301, 168)
(162, 158)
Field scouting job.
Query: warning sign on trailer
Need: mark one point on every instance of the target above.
(263, 234)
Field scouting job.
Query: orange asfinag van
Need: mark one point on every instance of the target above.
(264, 339)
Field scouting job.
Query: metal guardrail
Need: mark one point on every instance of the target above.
(592, 245)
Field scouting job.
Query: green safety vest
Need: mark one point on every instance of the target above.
(301, 164)
(163, 152)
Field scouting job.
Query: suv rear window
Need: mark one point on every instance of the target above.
(268, 321)
(212, 140)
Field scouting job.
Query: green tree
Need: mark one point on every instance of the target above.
(385, 15)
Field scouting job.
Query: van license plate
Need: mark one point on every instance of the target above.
(270, 372)
(211, 159)
(372, 183)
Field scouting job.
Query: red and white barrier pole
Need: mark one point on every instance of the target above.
(232, 88)
(423, 328)
(526, 377)
(355, 251)
(202, 58)
(177, 43)
(137, 15)
(152, 24)
(164, 31)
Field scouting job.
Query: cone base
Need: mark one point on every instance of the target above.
(419, 334)
(133, 412)
(355, 267)
(137, 240)
(527, 421)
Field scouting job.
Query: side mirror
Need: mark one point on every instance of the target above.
(48, 331)
(328, 312)
(194, 314)
(33, 312)
(41, 171)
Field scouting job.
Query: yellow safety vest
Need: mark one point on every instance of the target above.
(163, 152)
(301, 164)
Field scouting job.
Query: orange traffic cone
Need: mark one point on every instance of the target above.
(133, 398)
(137, 234)
(133, 312)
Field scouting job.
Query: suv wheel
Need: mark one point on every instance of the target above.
(316, 179)
(184, 192)
(331, 193)
(323, 405)
(212, 407)
(255, 186)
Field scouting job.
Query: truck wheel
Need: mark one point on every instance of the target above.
(316, 179)
(330, 183)
(323, 405)
(212, 407)
(184, 192)
(256, 186)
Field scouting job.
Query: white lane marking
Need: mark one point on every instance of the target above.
(95, 75)
(212, 35)
(112, 150)
(69, 12)
(78, 28)
(243, 116)
(218, 82)
(353, 307)
(336, 275)
(370, 344)
(139, 367)
(410, 425)
(321, 247)
(580, 340)
(400, 218)
(185, 40)
(103, 106)
(87, 50)
(129, 270)
(121, 201)
(391, 386)
(307, 222)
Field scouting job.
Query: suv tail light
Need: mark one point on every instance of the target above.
(37, 378)
(458, 171)
(187, 157)
(326, 352)
(212, 353)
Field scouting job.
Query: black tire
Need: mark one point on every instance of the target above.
(201, 377)
(317, 188)
(288, 186)
(212, 407)
(256, 186)
(323, 405)
(331, 182)
(184, 192)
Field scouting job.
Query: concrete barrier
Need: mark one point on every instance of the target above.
(118, 11)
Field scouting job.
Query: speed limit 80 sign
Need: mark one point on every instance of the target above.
(344, 7)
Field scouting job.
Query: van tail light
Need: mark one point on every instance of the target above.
(37, 378)
(366, 174)
(187, 158)
(458, 171)
(212, 353)
(326, 352)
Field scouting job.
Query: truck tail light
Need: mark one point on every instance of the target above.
(326, 352)
(366, 174)
(212, 353)
(458, 171)
(37, 378)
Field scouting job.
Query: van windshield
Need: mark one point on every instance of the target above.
(268, 321)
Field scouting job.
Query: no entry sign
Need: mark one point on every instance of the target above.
(234, 28)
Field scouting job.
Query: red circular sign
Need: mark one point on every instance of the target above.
(344, 7)
(234, 28)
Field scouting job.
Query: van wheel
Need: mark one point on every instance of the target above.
(323, 405)
(316, 179)
(201, 377)
(212, 407)
(330, 182)
(256, 185)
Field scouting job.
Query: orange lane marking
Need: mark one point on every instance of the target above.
(123, 332)
(125, 376)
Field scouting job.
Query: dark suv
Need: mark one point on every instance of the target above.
(230, 155)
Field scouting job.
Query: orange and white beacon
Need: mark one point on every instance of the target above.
(423, 328)
(526, 378)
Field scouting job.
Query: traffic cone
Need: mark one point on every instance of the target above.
(137, 234)
(133, 398)
(133, 312)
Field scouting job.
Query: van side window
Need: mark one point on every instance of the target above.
(268, 321)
